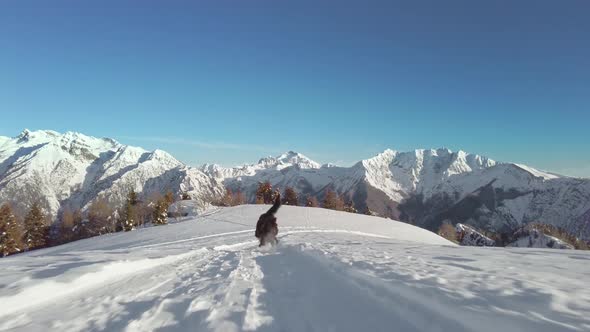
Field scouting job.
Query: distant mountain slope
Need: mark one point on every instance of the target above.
(423, 187)
(429, 187)
(72, 169)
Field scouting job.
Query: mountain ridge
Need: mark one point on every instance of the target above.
(426, 187)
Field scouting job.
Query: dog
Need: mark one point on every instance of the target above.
(266, 227)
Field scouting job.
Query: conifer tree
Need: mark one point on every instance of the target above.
(129, 213)
(9, 232)
(238, 198)
(169, 198)
(264, 193)
(448, 232)
(311, 201)
(99, 217)
(228, 198)
(368, 212)
(36, 232)
(332, 201)
(349, 207)
(66, 227)
(81, 227)
(290, 197)
(160, 214)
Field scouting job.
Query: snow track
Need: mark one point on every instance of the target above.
(331, 272)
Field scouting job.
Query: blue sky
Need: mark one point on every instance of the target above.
(231, 81)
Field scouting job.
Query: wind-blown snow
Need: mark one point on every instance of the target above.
(332, 271)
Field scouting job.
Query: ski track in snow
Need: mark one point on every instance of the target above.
(206, 275)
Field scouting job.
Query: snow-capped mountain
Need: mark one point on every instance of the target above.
(429, 187)
(286, 160)
(423, 187)
(72, 169)
(394, 174)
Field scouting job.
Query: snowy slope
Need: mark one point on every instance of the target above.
(536, 239)
(331, 272)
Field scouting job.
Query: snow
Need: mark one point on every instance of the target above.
(3, 140)
(536, 239)
(471, 237)
(188, 208)
(278, 163)
(537, 173)
(517, 207)
(398, 174)
(332, 271)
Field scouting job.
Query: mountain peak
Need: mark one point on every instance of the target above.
(388, 152)
(287, 159)
(70, 137)
(24, 135)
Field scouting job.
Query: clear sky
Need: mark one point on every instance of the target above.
(231, 81)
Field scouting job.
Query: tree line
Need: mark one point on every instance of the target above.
(34, 230)
(265, 194)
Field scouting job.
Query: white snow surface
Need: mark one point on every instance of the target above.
(188, 208)
(331, 271)
(538, 173)
(536, 239)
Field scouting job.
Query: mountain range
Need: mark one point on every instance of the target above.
(422, 187)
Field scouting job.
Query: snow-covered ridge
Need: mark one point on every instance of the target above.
(537, 239)
(398, 173)
(538, 173)
(285, 160)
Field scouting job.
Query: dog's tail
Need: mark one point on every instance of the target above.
(276, 205)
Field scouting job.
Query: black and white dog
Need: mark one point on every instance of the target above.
(267, 228)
